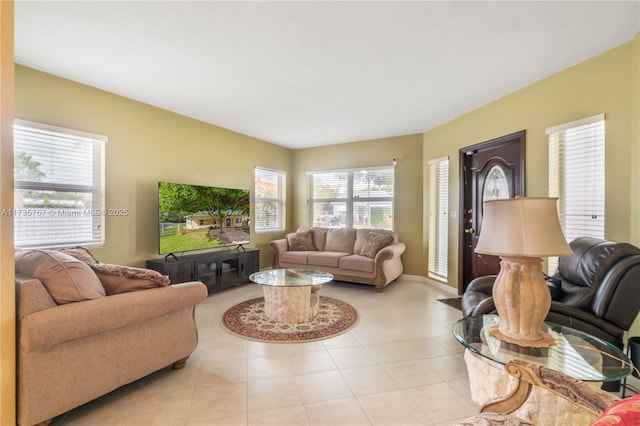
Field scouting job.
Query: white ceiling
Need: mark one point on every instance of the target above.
(302, 74)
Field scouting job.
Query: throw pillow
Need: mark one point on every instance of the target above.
(66, 278)
(625, 412)
(81, 253)
(301, 241)
(374, 242)
(121, 279)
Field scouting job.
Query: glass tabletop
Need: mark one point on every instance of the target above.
(574, 353)
(290, 277)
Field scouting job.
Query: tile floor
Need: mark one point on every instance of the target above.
(398, 366)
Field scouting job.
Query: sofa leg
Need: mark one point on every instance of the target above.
(180, 363)
(379, 288)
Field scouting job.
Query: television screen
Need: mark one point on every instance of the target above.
(193, 217)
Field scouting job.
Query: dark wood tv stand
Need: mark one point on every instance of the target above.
(216, 269)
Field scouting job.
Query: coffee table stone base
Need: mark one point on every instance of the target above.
(291, 304)
(489, 381)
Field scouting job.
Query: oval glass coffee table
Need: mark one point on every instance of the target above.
(291, 295)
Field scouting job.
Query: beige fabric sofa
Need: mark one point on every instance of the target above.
(343, 252)
(72, 351)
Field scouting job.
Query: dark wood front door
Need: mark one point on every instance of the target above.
(494, 169)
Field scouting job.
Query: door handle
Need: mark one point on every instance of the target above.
(469, 231)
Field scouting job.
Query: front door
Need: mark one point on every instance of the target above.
(490, 170)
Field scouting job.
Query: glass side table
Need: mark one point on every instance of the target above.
(575, 353)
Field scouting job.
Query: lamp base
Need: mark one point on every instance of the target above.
(522, 300)
(543, 341)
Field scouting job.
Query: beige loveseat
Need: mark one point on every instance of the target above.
(365, 256)
(86, 329)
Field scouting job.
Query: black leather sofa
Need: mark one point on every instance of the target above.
(597, 290)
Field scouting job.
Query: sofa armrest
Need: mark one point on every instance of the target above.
(31, 296)
(76, 320)
(570, 316)
(389, 252)
(278, 247)
(482, 284)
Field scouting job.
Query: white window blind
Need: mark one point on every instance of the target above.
(576, 177)
(359, 198)
(59, 186)
(438, 218)
(269, 200)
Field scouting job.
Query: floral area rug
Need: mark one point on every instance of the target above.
(247, 319)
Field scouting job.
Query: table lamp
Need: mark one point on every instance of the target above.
(522, 231)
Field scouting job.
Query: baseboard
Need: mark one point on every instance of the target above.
(433, 283)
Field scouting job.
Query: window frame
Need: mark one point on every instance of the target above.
(438, 264)
(591, 142)
(279, 200)
(349, 199)
(96, 213)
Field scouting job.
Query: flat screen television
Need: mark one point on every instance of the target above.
(195, 217)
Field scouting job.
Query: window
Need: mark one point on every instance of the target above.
(359, 198)
(270, 200)
(576, 177)
(438, 218)
(59, 186)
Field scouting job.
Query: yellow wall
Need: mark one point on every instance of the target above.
(603, 84)
(635, 140)
(146, 145)
(7, 289)
(379, 152)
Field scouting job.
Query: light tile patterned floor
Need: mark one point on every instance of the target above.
(398, 366)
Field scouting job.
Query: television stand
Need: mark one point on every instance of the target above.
(240, 246)
(216, 269)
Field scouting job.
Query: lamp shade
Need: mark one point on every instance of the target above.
(522, 227)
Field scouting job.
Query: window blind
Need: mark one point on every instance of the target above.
(577, 177)
(359, 198)
(269, 199)
(59, 187)
(438, 218)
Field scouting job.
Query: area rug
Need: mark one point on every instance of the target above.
(454, 302)
(247, 320)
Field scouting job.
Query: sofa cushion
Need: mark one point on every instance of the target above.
(374, 243)
(355, 262)
(297, 257)
(66, 278)
(121, 279)
(319, 236)
(340, 240)
(326, 258)
(81, 253)
(592, 258)
(301, 241)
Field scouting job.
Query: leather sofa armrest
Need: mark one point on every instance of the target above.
(563, 314)
(482, 284)
(475, 304)
(76, 320)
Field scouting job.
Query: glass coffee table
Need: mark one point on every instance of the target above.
(575, 353)
(291, 295)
